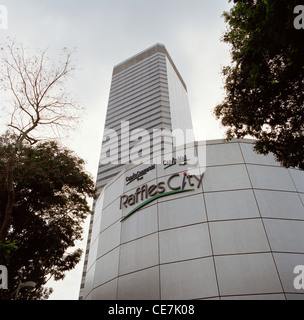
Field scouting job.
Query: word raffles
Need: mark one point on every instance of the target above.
(175, 184)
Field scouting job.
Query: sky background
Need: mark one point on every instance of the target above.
(106, 32)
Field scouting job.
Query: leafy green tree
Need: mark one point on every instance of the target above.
(50, 206)
(265, 82)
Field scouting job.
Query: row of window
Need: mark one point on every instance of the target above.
(109, 167)
(135, 66)
(139, 66)
(137, 104)
(156, 77)
(134, 77)
(144, 110)
(156, 82)
(115, 124)
(146, 106)
(107, 177)
(148, 123)
(141, 85)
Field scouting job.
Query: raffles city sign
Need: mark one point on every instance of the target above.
(145, 194)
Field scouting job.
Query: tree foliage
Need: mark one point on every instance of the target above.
(51, 188)
(265, 82)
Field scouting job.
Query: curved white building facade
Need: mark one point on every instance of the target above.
(233, 229)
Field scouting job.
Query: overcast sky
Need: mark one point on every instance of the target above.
(106, 32)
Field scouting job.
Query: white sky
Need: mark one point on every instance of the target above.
(106, 32)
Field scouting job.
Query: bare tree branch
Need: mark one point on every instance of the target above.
(36, 88)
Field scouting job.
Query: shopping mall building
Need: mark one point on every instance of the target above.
(212, 220)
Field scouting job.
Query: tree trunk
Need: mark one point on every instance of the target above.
(10, 197)
(10, 181)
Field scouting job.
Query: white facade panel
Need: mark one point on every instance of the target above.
(184, 243)
(239, 236)
(110, 214)
(109, 239)
(223, 178)
(223, 154)
(276, 204)
(187, 280)
(250, 156)
(273, 178)
(140, 285)
(139, 254)
(107, 291)
(246, 274)
(285, 235)
(106, 268)
(172, 212)
(139, 225)
(236, 204)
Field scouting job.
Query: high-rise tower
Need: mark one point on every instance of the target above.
(148, 93)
